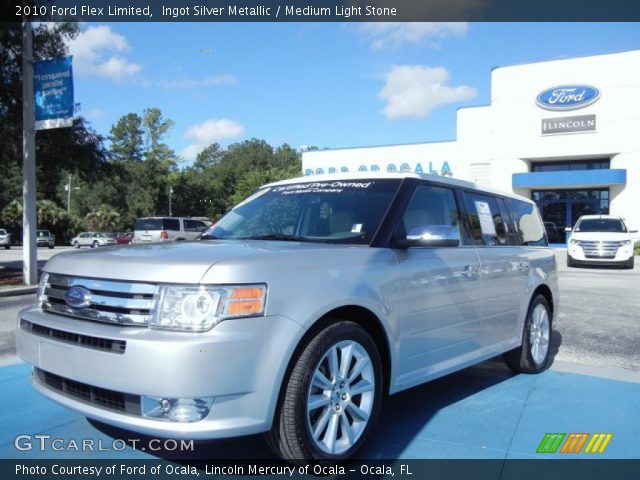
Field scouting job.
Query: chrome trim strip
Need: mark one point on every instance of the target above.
(103, 285)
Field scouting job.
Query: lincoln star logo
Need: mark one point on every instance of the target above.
(567, 97)
(78, 297)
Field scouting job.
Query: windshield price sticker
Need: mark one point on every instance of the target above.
(486, 219)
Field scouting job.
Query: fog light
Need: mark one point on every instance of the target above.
(176, 409)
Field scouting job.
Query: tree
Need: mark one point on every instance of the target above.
(126, 139)
(104, 219)
(78, 148)
(253, 179)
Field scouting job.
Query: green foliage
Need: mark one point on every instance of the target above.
(253, 179)
(219, 179)
(105, 219)
(50, 217)
(636, 250)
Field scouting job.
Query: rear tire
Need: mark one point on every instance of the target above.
(335, 390)
(50, 247)
(534, 355)
(76, 244)
(7, 247)
(95, 244)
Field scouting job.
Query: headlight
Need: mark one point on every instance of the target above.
(625, 242)
(199, 308)
(575, 242)
(40, 296)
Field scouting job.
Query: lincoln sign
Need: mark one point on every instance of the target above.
(581, 123)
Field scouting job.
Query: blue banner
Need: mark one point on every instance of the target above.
(53, 91)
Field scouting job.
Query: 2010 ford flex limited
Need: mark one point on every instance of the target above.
(297, 312)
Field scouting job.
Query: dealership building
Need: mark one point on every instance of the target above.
(565, 133)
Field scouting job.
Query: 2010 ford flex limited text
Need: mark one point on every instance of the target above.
(297, 312)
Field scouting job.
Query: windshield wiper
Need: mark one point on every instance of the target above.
(278, 236)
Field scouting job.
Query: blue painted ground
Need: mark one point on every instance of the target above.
(482, 412)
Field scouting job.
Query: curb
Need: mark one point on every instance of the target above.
(11, 292)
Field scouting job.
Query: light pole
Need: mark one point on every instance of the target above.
(170, 193)
(68, 188)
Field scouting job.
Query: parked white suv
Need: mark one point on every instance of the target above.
(600, 240)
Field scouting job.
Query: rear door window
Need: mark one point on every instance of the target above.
(488, 223)
(171, 224)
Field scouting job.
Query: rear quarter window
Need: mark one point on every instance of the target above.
(528, 226)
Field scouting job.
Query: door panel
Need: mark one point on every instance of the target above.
(438, 305)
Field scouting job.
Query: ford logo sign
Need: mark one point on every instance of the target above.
(77, 297)
(567, 97)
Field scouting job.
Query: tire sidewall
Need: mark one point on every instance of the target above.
(329, 337)
(526, 345)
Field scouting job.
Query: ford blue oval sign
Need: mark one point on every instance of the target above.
(567, 97)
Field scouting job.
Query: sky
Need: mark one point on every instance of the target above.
(330, 85)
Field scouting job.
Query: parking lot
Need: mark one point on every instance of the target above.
(481, 412)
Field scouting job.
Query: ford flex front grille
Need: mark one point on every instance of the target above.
(123, 303)
(87, 341)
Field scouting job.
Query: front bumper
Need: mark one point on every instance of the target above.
(623, 254)
(239, 362)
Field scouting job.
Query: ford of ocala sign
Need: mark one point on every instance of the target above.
(567, 97)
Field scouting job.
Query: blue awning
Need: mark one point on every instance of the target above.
(570, 179)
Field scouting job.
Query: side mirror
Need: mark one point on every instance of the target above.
(568, 230)
(633, 231)
(431, 236)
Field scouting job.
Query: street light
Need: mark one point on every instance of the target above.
(68, 189)
(170, 193)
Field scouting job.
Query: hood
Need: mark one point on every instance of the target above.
(175, 262)
(600, 236)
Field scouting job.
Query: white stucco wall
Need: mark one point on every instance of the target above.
(503, 138)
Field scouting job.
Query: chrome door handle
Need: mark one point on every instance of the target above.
(470, 271)
(524, 267)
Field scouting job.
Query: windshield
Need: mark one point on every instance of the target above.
(601, 225)
(332, 212)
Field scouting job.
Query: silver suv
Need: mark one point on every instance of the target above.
(161, 229)
(300, 309)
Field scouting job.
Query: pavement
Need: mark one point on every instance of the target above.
(483, 412)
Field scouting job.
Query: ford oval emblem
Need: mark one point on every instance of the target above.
(77, 297)
(567, 97)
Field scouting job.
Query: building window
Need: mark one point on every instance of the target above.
(566, 166)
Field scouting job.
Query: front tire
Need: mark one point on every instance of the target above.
(534, 355)
(76, 244)
(630, 263)
(331, 397)
(7, 247)
(95, 244)
(570, 262)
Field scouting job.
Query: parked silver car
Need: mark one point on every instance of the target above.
(44, 238)
(162, 229)
(299, 310)
(5, 239)
(92, 239)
